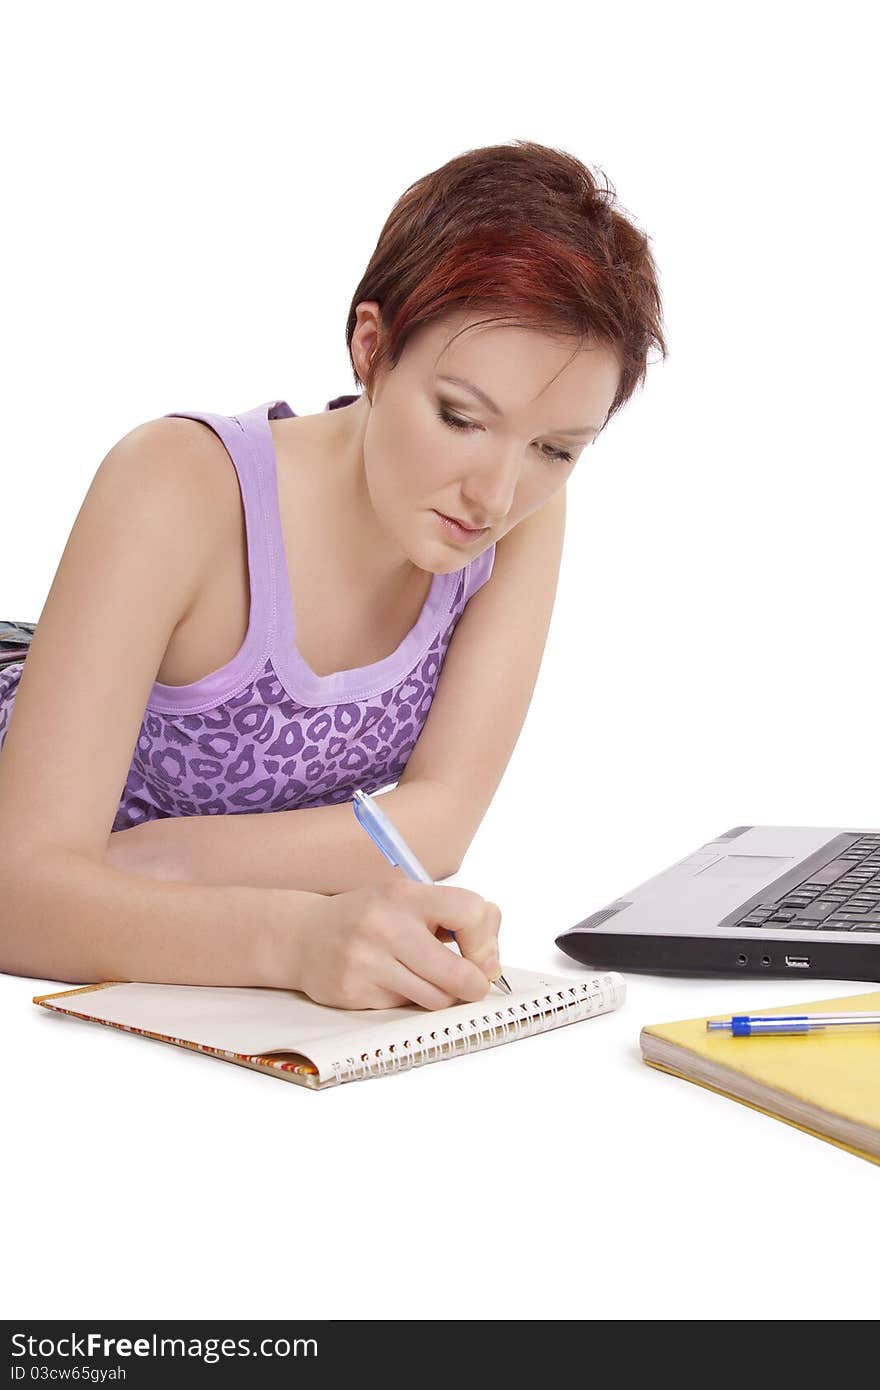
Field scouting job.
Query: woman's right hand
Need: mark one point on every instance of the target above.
(378, 947)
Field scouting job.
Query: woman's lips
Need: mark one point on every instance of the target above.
(457, 531)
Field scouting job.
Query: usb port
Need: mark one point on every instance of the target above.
(798, 962)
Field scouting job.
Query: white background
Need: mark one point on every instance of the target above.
(193, 192)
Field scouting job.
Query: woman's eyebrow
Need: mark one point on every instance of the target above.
(496, 410)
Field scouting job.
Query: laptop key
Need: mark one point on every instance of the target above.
(831, 872)
(843, 921)
(820, 908)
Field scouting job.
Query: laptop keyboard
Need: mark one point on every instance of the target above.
(842, 895)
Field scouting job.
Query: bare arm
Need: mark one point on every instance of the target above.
(489, 675)
(134, 560)
(317, 850)
(66, 918)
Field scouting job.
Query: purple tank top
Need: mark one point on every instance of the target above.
(264, 732)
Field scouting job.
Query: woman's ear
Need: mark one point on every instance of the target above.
(366, 335)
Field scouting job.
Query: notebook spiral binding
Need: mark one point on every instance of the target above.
(478, 1033)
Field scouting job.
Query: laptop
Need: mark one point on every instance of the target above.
(758, 900)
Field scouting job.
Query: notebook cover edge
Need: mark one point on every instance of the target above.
(728, 1095)
(282, 1071)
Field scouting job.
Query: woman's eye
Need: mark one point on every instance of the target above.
(561, 455)
(454, 421)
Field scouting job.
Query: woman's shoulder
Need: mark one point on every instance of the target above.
(181, 465)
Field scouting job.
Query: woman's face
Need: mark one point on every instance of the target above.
(433, 446)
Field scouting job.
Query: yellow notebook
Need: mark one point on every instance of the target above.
(827, 1084)
(285, 1034)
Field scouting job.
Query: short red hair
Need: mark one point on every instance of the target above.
(526, 232)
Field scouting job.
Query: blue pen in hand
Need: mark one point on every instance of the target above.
(395, 848)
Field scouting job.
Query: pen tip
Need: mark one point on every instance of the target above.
(502, 984)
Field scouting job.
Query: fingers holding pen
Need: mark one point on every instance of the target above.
(379, 946)
(459, 915)
(472, 921)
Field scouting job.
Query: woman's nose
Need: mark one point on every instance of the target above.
(489, 493)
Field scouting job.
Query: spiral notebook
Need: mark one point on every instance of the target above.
(285, 1034)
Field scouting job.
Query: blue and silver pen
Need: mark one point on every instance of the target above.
(750, 1025)
(396, 850)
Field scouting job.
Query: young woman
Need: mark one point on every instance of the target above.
(263, 612)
